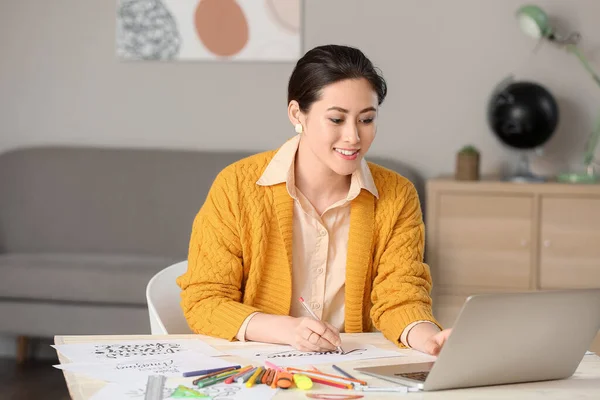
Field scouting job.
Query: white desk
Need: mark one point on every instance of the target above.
(584, 384)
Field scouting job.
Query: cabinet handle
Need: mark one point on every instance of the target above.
(546, 243)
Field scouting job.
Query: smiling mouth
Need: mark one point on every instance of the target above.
(347, 152)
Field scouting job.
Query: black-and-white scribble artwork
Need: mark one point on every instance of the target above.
(146, 30)
(124, 350)
(132, 349)
(248, 30)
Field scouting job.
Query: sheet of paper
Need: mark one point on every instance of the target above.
(589, 353)
(98, 352)
(170, 365)
(220, 391)
(288, 356)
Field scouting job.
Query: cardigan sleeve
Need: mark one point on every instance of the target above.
(401, 291)
(212, 285)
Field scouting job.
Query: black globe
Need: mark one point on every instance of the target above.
(523, 115)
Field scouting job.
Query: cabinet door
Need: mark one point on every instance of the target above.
(570, 242)
(483, 241)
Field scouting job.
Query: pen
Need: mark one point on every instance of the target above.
(400, 389)
(339, 348)
(341, 371)
(209, 371)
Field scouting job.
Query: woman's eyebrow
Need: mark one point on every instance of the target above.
(346, 111)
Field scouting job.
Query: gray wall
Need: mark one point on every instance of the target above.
(60, 82)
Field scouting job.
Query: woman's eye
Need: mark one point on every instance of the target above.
(367, 120)
(336, 120)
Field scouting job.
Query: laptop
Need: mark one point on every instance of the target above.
(507, 338)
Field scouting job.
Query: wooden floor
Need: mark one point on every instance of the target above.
(32, 380)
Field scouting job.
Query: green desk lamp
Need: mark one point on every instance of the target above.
(535, 23)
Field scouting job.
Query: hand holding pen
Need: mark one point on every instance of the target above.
(316, 335)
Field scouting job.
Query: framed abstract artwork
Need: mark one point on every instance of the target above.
(209, 30)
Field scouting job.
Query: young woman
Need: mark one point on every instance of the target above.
(313, 219)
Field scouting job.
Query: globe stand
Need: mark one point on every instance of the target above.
(523, 171)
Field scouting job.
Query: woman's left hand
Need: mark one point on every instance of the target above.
(427, 338)
(434, 344)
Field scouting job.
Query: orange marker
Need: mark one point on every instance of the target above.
(284, 380)
(265, 376)
(330, 383)
(275, 377)
(271, 377)
(328, 375)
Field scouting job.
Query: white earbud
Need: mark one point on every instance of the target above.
(298, 128)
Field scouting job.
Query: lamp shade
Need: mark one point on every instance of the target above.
(534, 21)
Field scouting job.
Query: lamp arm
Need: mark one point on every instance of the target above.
(590, 148)
(575, 50)
(588, 157)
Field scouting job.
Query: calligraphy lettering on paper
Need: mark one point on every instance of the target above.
(115, 351)
(293, 353)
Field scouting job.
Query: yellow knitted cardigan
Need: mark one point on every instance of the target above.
(240, 255)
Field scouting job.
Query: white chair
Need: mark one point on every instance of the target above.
(163, 296)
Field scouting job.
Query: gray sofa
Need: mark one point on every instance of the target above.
(82, 231)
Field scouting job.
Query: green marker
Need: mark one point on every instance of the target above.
(216, 379)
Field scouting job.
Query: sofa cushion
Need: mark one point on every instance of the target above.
(92, 278)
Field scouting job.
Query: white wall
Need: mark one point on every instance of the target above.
(60, 82)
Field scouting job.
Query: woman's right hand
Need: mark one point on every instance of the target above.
(309, 334)
(303, 333)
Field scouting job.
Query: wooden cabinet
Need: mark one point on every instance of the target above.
(484, 241)
(494, 236)
(570, 242)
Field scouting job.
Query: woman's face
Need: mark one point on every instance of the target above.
(340, 127)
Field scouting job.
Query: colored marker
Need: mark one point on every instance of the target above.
(284, 380)
(341, 379)
(252, 379)
(275, 367)
(216, 379)
(209, 371)
(195, 382)
(244, 378)
(274, 383)
(330, 383)
(241, 372)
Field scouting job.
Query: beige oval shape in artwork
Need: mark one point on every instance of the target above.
(285, 13)
(221, 26)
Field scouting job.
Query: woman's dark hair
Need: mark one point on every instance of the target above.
(328, 64)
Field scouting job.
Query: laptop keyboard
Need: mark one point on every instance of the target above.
(417, 376)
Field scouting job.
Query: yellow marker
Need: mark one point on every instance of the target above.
(250, 382)
(302, 381)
